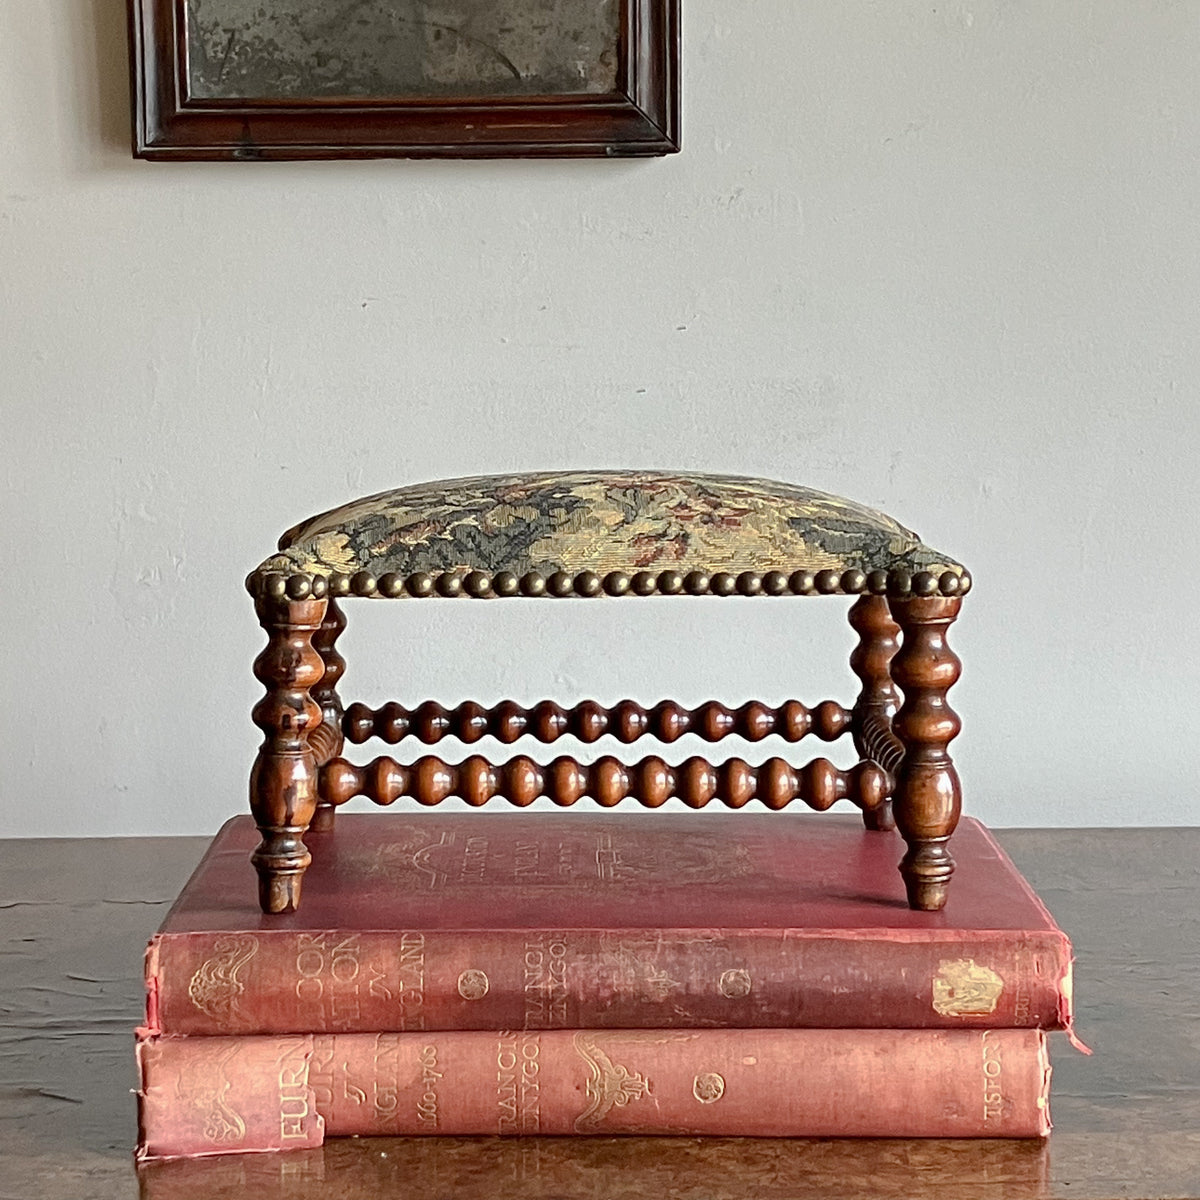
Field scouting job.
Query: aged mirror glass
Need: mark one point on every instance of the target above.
(290, 49)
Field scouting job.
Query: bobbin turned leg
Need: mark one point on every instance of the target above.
(928, 796)
(871, 717)
(283, 782)
(327, 739)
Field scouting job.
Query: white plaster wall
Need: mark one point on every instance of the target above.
(940, 257)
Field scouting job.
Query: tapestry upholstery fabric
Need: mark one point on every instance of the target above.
(602, 521)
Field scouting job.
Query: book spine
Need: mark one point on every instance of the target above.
(274, 982)
(225, 1094)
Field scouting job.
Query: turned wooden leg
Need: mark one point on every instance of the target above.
(871, 717)
(928, 796)
(327, 740)
(283, 783)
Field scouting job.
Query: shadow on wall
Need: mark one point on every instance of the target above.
(98, 53)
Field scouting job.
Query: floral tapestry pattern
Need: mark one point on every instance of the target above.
(602, 521)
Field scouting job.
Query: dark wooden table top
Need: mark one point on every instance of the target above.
(75, 915)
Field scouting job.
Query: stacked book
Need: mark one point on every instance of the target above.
(545, 973)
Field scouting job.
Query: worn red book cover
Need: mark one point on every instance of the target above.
(223, 1094)
(575, 921)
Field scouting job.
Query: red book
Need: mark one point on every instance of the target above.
(541, 920)
(225, 1094)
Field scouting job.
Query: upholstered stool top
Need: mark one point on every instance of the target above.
(588, 533)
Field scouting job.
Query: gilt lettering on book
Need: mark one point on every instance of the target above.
(770, 1082)
(440, 859)
(476, 921)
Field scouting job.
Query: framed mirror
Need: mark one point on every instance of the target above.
(291, 79)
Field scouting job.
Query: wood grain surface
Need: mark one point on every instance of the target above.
(75, 914)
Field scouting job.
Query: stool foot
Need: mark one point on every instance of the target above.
(283, 782)
(322, 821)
(926, 869)
(881, 819)
(928, 796)
(280, 860)
(279, 893)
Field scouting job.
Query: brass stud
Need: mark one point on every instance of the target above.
(419, 584)
(853, 582)
(532, 584)
(320, 586)
(775, 583)
(696, 583)
(339, 584)
(299, 587)
(275, 586)
(449, 584)
(670, 583)
(877, 583)
(560, 584)
(925, 583)
(504, 583)
(899, 582)
(749, 583)
(828, 582)
(363, 583)
(644, 583)
(964, 583)
(802, 582)
(948, 583)
(723, 584)
(616, 583)
(587, 583)
(391, 584)
(477, 583)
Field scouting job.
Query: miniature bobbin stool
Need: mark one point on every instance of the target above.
(609, 534)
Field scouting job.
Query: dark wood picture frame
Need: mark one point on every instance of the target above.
(639, 118)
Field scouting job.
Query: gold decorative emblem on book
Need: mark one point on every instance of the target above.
(215, 988)
(473, 984)
(609, 1084)
(735, 984)
(203, 1085)
(708, 1088)
(962, 988)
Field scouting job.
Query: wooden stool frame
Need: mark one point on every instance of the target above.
(901, 725)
